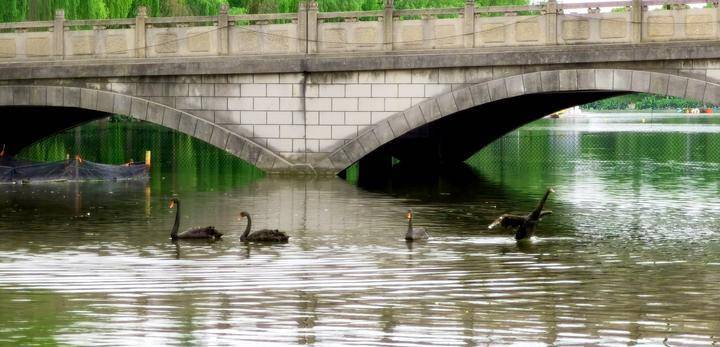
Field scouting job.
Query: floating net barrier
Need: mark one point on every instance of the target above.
(77, 169)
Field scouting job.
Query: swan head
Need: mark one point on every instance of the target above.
(243, 214)
(173, 202)
(551, 190)
(409, 214)
(495, 223)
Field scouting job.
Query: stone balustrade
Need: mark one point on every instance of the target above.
(310, 31)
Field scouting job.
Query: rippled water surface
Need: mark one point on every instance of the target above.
(631, 255)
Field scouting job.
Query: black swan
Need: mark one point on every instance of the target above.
(198, 233)
(525, 224)
(413, 234)
(265, 235)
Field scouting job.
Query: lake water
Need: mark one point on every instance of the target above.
(631, 255)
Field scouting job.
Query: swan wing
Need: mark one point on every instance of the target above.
(508, 221)
(424, 234)
(268, 235)
(417, 234)
(200, 233)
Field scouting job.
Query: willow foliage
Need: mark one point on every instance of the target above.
(20, 10)
(270, 6)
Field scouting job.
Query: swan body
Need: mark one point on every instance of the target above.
(264, 235)
(525, 225)
(412, 233)
(196, 233)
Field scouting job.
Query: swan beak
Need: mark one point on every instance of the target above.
(408, 215)
(172, 204)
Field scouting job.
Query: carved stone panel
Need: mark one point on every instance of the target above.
(366, 35)
(199, 42)
(335, 38)
(277, 41)
(492, 33)
(699, 25)
(166, 43)
(116, 44)
(576, 29)
(245, 42)
(613, 28)
(37, 46)
(411, 36)
(82, 45)
(8, 48)
(445, 35)
(661, 26)
(527, 31)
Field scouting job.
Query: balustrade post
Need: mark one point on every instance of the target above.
(551, 16)
(469, 24)
(429, 39)
(312, 27)
(636, 17)
(388, 20)
(59, 35)
(223, 35)
(140, 32)
(302, 24)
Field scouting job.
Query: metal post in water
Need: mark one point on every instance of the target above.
(148, 157)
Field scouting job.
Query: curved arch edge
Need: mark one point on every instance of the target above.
(620, 80)
(149, 111)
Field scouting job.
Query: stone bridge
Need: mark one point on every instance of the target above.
(312, 92)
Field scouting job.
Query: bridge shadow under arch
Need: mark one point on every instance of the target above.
(32, 113)
(449, 128)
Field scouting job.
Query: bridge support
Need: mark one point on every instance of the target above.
(223, 34)
(302, 28)
(388, 20)
(59, 35)
(312, 27)
(636, 18)
(140, 36)
(551, 11)
(469, 24)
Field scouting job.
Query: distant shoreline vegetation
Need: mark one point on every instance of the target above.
(642, 101)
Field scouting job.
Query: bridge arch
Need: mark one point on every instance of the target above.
(95, 104)
(595, 84)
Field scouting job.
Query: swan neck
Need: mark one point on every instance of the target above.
(409, 232)
(538, 209)
(247, 228)
(176, 226)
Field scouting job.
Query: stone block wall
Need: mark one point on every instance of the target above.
(300, 116)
